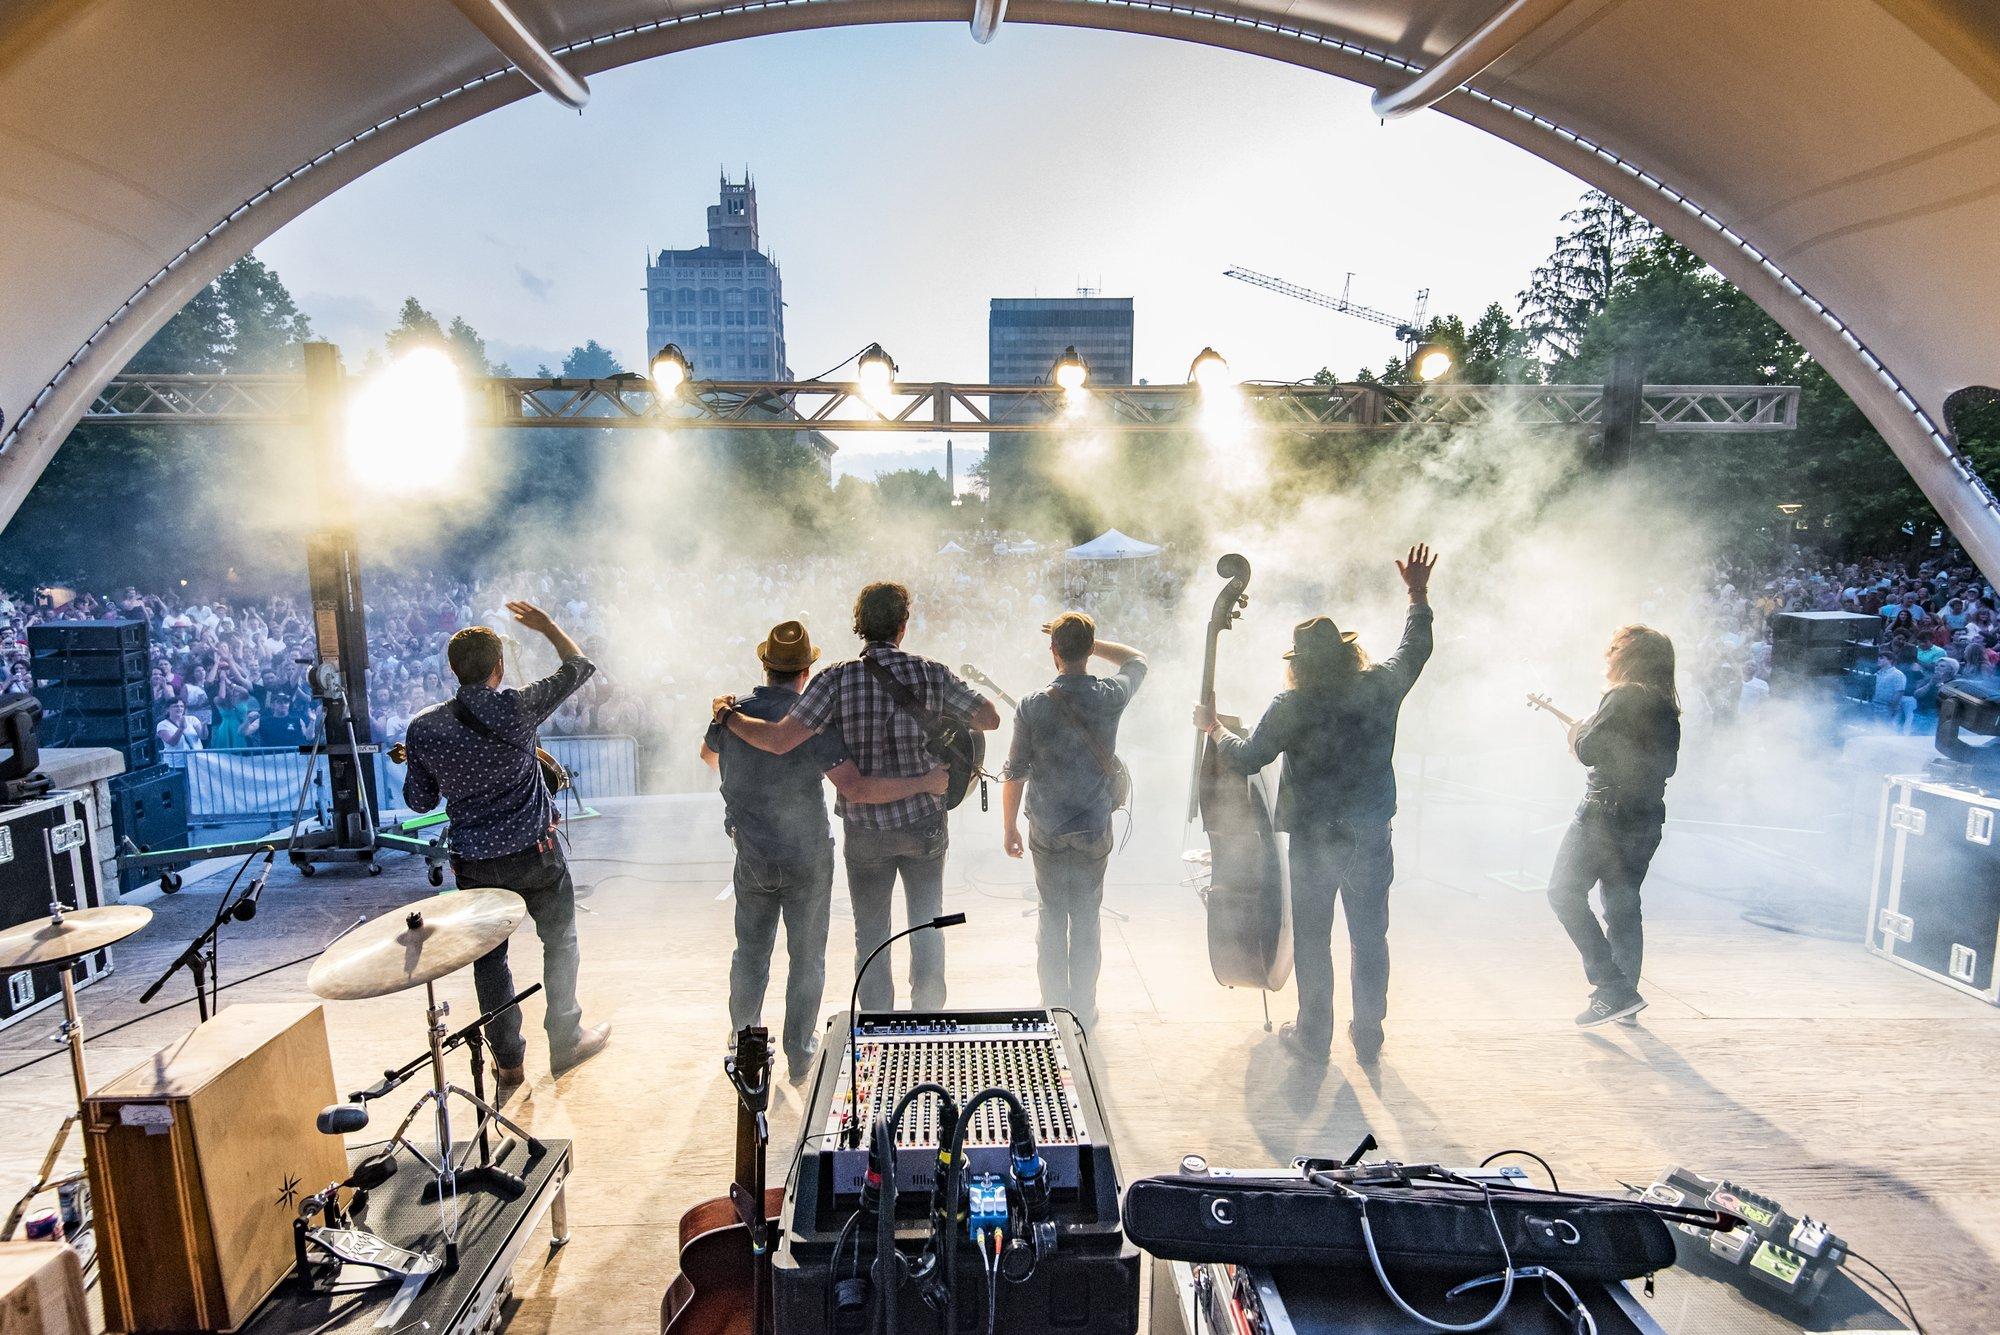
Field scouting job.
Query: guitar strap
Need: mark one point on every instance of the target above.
(905, 698)
(1107, 763)
(478, 725)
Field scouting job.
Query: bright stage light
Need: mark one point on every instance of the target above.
(1210, 370)
(1431, 361)
(1070, 373)
(671, 371)
(406, 426)
(875, 376)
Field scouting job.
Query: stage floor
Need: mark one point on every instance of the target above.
(1791, 1061)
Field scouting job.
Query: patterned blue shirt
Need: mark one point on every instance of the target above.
(492, 785)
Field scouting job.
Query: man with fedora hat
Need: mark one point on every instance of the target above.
(775, 813)
(1336, 728)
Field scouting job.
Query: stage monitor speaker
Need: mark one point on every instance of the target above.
(150, 808)
(198, 1159)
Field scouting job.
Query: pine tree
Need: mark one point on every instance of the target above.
(1575, 282)
(590, 361)
(265, 325)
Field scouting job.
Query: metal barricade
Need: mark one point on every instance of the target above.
(253, 783)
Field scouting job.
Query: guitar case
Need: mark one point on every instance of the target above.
(1295, 1221)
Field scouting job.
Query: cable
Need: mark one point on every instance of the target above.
(1382, 1275)
(1908, 1310)
(1526, 1154)
(992, 1264)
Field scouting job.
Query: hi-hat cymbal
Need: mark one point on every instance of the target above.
(82, 931)
(389, 954)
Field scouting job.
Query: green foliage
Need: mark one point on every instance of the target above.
(913, 489)
(591, 361)
(1569, 289)
(266, 326)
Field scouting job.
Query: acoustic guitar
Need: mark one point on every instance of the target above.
(1249, 898)
(724, 1285)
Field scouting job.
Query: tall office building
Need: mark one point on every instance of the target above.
(1025, 335)
(721, 303)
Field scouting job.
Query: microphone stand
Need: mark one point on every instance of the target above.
(850, 1135)
(199, 958)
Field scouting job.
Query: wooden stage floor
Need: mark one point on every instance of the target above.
(1794, 1062)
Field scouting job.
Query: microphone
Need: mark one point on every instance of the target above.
(246, 908)
(851, 1134)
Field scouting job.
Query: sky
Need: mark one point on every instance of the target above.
(906, 174)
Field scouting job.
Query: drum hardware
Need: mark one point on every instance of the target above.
(432, 938)
(342, 1240)
(68, 935)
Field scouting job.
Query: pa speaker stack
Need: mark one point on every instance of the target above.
(1824, 650)
(93, 679)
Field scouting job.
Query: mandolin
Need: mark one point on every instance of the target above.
(1248, 898)
(724, 1285)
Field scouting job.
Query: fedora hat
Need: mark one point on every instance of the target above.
(788, 648)
(1317, 635)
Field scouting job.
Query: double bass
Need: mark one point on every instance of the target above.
(724, 1284)
(1249, 897)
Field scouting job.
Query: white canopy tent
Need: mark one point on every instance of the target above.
(951, 548)
(1111, 545)
(1837, 159)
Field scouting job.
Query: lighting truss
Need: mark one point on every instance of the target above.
(708, 405)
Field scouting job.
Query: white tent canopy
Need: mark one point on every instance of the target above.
(951, 548)
(1111, 545)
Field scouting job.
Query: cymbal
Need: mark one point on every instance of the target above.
(83, 930)
(389, 954)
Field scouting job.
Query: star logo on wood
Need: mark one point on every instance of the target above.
(288, 1195)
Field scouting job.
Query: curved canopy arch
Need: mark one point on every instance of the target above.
(1838, 159)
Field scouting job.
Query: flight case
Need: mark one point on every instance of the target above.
(1936, 902)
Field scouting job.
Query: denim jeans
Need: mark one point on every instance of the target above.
(542, 879)
(1353, 863)
(1611, 854)
(874, 859)
(799, 892)
(1069, 875)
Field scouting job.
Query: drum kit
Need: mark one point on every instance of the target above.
(412, 947)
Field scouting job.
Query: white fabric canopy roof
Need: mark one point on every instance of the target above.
(1111, 545)
(1838, 159)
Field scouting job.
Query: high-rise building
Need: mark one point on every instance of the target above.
(721, 303)
(1025, 335)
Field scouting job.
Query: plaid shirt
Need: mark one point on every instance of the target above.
(880, 734)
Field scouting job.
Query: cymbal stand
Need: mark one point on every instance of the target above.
(445, 1171)
(72, 1034)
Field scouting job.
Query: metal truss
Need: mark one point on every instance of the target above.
(1308, 409)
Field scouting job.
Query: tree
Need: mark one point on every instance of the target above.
(414, 327)
(194, 342)
(590, 361)
(266, 326)
(1568, 289)
(913, 489)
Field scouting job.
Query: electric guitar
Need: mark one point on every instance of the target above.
(1542, 703)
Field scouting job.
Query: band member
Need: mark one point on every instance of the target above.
(1336, 728)
(1631, 747)
(775, 813)
(906, 837)
(1064, 754)
(477, 753)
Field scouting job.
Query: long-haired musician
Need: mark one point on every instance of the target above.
(1631, 746)
(1336, 728)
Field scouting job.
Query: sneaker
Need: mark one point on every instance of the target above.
(1313, 1054)
(589, 1042)
(1367, 1040)
(1603, 1010)
(1630, 1019)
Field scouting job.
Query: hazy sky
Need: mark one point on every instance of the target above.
(906, 174)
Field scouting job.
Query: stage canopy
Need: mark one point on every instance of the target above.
(1838, 159)
(1111, 545)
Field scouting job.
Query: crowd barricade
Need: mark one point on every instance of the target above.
(226, 787)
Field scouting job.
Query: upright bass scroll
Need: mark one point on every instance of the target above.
(1248, 897)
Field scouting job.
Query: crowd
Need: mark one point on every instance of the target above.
(229, 669)
(1935, 623)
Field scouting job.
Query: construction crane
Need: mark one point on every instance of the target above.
(1409, 330)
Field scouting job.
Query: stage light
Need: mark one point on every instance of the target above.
(406, 425)
(1070, 373)
(875, 376)
(671, 371)
(1210, 370)
(1431, 361)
